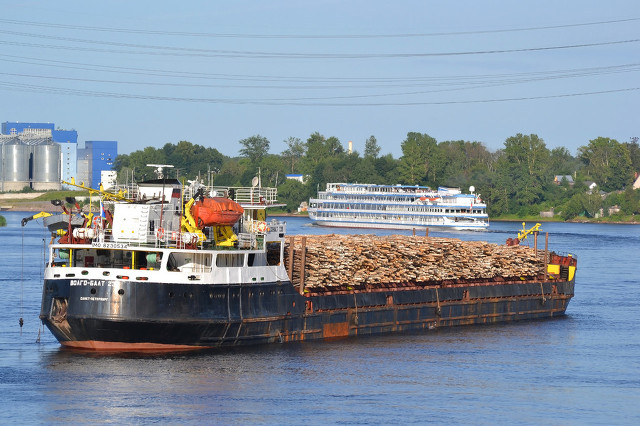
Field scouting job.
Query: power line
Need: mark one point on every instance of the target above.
(467, 82)
(190, 52)
(150, 72)
(306, 36)
(87, 93)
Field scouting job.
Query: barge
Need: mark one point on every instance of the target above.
(145, 273)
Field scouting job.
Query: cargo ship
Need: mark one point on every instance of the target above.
(165, 268)
(359, 205)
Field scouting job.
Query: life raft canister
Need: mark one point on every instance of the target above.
(216, 211)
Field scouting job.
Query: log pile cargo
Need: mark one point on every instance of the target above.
(365, 262)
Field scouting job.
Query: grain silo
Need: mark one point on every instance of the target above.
(2, 141)
(15, 164)
(45, 171)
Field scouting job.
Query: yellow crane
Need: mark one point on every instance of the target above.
(119, 196)
(522, 235)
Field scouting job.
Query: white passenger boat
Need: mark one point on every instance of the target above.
(354, 205)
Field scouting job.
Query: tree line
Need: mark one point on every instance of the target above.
(518, 179)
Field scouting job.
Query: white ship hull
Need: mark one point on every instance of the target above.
(477, 226)
(397, 207)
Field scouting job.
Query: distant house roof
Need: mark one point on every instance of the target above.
(560, 178)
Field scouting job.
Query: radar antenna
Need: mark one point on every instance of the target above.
(159, 169)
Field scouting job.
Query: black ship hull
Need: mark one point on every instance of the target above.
(123, 315)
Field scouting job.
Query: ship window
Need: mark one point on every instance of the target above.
(189, 262)
(230, 260)
(273, 253)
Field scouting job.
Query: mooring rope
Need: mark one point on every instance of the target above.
(21, 320)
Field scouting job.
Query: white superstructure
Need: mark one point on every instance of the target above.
(397, 207)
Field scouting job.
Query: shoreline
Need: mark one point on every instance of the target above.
(541, 220)
(18, 205)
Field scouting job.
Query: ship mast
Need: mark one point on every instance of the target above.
(160, 175)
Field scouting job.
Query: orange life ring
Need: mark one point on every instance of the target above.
(262, 226)
(160, 233)
(97, 221)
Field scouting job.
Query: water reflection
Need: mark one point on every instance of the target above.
(576, 369)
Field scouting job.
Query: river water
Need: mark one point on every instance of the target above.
(582, 368)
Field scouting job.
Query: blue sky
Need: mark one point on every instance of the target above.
(147, 73)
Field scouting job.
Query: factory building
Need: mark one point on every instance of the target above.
(68, 140)
(93, 159)
(85, 165)
(29, 161)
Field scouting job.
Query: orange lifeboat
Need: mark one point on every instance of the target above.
(216, 211)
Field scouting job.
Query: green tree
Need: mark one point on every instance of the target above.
(461, 159)
(231, 172)
(561, 162)
(607, 162)
(630, 203)
(137, 162)
(420, 159)
(522, 171)
(365, 172)
(371, 148)
(387, 168)
(316, 151)
(592, 203)
(573, 207)
(292, 193)
(321, 149)
(254, 148)
(273, 170)
(192, 160)
(188, 160)
(634, 153)
(295, 150)
(334, 147)
(529, 151)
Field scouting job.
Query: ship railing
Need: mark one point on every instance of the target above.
(278, 226)
(182, 240)
(242, 195)
(247, 240)
(257, 196)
